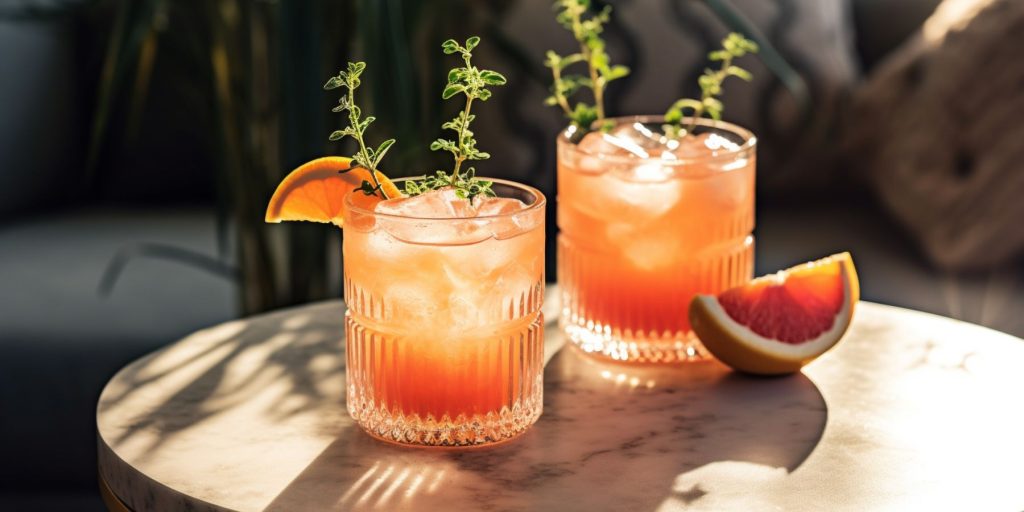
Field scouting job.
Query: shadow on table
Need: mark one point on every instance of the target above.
(290, 356)
(611, 437)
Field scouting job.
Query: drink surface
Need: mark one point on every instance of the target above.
(445, 343)
(646, 223)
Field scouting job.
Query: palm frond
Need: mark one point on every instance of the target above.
(769, 55)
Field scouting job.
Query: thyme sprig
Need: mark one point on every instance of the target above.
(733, 46)
(586, 28)
(471, 82)
(367, 157)
(466, 185)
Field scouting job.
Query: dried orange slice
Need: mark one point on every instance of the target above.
(315, 191)
(778, 323)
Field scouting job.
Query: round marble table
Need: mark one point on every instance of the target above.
(910, 412)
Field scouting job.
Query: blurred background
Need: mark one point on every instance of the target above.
(141, 139)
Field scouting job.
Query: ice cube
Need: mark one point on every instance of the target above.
(646, 248)
(497, 218)
(417, 226)
(468, 264)
(716, 142)
(638, 135)
(619, 143)
(703, 145)
(469, 302)
(435, 204)
(586, 158)
(691, 147)
(731, 186)
(514, 287)
(413, 302)
(600, 151)
(653, 172)
(637, 184)
(640, 195)
(486, 206)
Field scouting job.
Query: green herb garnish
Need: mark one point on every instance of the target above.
(586, 29)
(733, 47)
(472, 83)
(466, 185)
(367, 158)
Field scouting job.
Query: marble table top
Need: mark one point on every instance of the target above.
(910, 412)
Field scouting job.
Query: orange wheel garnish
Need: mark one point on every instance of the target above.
(315, 191)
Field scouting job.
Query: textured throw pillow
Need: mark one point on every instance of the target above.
(937, 132)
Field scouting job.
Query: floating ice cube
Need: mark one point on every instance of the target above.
(435, 204)
(620, 195)
(586, 158)
(636, 183)
(647, 249)
(417, 226)
(624, 141)
(414, 302)
(497, 216)
(468, 264)
(639, 136)
(731, 186)
(653, 172)
(703, 145)
(716, 142)
(691, 147)
(497, 206)
(514, 286)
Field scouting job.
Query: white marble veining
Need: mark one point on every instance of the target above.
(910, 411)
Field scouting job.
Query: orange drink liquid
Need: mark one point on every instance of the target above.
(645, 224)
(444, 333)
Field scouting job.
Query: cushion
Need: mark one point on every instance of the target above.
(936, 132)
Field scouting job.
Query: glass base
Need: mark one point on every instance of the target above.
(602, 341)
(445, 393)
(445, 432)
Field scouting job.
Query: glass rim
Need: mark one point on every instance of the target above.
(539, 202)
(748, 137)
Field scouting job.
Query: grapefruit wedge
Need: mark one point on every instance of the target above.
(315, 191)
(776, 324)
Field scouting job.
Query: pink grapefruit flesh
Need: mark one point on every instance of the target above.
(777, 323)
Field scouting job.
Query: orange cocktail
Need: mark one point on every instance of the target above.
(444, 330)
(646, 223)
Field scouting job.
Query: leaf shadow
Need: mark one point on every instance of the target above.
(610, 436)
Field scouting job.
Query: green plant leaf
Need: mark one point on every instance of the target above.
(333, 83)
(617, 72)
(382, 150)
(552, 59)
(452, 90)
(492, 77)
(739, 72)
